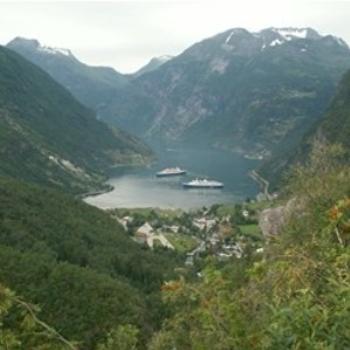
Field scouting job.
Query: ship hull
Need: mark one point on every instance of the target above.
(180, 173)
(185, 185)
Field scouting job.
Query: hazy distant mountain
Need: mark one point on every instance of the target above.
(48, 137)
(92, 86)
(153, 64)
(239, 90)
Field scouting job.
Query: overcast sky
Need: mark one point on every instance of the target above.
(126, 34)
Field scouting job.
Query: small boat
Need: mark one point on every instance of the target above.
(203, 183)
(171, 172)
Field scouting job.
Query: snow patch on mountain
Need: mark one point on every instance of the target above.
(54, 51)
(229, 37)
(290, 33)
(276, 42)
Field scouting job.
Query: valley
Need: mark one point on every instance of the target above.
(97, 252)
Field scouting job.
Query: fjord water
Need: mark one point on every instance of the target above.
(138, 187)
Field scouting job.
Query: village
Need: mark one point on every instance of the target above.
(223, 232)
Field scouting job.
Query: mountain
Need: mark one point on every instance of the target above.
(332, 128)
(248, 92)
(152, 65)
(48, 137)
(92, 86)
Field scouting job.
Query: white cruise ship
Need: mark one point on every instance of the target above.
(171, 172)
(203, 183)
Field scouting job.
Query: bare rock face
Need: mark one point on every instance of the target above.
(272, 220)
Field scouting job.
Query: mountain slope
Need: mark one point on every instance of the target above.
(46, 136)
(152, 65)
(92, 86)
(333, 127)
(251, 92)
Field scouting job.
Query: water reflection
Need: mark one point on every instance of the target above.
(139, 187)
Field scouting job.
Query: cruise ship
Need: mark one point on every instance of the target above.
(203, 183)
(171, 172)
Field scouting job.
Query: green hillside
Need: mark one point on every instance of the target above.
(47, 137)
(78, 264)
(334, 127)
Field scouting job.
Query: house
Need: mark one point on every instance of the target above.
(224, 256)
(151, 239)
(125, 221)
(189, 260)
(140, 238)
(146, 234)
(226, 219)
(245, 213)
(204, 223)
(145, 229)
(233, 249)
(172, 228)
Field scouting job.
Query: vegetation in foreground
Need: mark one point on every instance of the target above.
(293, 295)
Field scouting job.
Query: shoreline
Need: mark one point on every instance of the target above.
(263, 183)
(108, 188)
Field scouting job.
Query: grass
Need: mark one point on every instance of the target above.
(251, 230)
(147, 212)
(226, 209)
(182, 243)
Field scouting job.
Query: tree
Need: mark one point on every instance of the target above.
(124, 337)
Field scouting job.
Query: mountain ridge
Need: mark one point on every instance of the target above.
(91, 85)
(234, 88)
(152, 65)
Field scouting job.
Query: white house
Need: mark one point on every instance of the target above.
(125, 221)
(204, 223)
(145, 229)
(245, 213)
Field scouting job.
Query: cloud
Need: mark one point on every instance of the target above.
(126, 34)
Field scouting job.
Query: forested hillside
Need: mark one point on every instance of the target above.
(79, 265)
(334, 127)
(48, 137)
